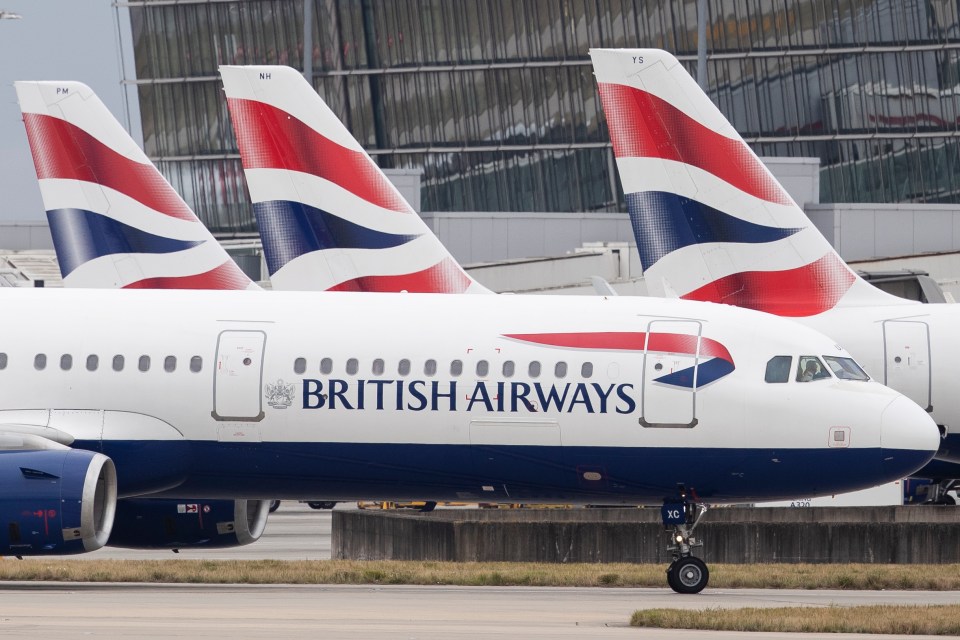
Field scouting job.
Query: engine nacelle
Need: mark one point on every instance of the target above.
(171, 523)
(55, 502)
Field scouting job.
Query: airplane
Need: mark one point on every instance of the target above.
(115, 220)
(287, 93)
(329, 218)
(117, 223)
(197, 396)
(143, 521)
(713, 224)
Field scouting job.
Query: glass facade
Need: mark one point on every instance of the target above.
(494, 100)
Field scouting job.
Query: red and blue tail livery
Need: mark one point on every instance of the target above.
(328, 216)
(116, 222)
(711, 222)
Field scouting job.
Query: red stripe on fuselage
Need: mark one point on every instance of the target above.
(645, 126)
(444, 277)
(270, 138)
(226, 276)
(629, 341)
(65, 151)
(805, 291)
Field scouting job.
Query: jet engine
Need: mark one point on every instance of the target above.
(171, 523)
(55, 501)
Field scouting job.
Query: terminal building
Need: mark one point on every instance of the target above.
(491, 107)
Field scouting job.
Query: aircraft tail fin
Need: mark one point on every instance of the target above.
(116, 222)
(328, 216)
(711, 222)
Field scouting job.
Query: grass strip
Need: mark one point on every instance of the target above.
(934, 620)
(766, 576)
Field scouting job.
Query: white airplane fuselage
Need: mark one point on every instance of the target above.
(713, 224)
(912, 348)
(623, 422)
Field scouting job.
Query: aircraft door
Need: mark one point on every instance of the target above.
(238, 377)
(670, 362)
(906, 363)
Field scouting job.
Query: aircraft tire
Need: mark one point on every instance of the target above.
(688, 575)
(672, 577)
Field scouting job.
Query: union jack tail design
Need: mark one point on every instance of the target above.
(711, 222)
(328, 216)
(116, 222)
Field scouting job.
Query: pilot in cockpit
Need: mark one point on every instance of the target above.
(811, 369)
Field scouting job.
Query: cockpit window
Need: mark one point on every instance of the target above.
(810, 368)
(846, 368)
(778, 369)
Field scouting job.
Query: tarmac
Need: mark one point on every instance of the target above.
(71, 610)
(280, 612)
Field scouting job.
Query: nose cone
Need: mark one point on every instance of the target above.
(909, 438)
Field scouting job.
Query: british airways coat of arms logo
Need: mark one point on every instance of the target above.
(279, 395)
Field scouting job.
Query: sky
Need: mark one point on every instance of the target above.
(54, 40)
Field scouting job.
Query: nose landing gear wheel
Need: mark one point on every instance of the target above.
(688, 575)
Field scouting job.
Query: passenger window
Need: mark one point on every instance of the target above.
(846, 368)
(430, 368)
(560, 370)
(170, 364)
(403, 367)
(483, 368)
(40, 361)
(326, 366)
(353, 365)
(586, 370)
(456, 368)
(3, 361)
(144, 363)
(378, 367)
(66, 362)
(118, 363)
(196, 364)
(93, 362)
(299, 365)
(778, 369)
(534, 369)
(508, 368)
(810, 368)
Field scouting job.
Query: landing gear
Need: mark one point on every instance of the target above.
(946, 499)
(321, 504)
(686, 574)
(940, 495)
(935, 491)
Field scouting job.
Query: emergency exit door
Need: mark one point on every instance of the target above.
(906, 364)
(670, 360)
(238, 376)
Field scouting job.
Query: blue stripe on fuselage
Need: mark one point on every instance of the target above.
(664, 222)
(345, 471)
(292, 229)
